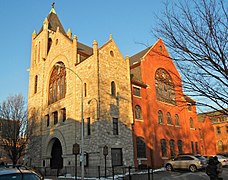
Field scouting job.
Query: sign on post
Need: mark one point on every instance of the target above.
(76, 149)
(105, 150)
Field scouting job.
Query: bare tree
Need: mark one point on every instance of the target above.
(15, 132)
(195, 33)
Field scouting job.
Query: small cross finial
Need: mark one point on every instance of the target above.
(53, 4)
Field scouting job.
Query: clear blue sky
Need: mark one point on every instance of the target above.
(129, 21)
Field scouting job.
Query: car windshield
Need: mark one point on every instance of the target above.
(221, 157)
(200, 157)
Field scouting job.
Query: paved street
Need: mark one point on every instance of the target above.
(179, 175)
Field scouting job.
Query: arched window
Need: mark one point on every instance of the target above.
(220, 146)
(35, 54)
(164, 86)
(169, 118)
(172, 148)
(63, 87)
(35, 86)
(115, 123)
(160, 117)
(138, 112)
(141, 148)
(85, 90)
(57, 84)
(179, 144)
(191, 123)
(39, 52)
(177, 122)
(218, 130)
(49, 44)
(113, 88)
(163, 148)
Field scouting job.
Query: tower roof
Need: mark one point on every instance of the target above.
(54, 22)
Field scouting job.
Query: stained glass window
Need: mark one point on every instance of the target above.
(57, 84)
(164, 86)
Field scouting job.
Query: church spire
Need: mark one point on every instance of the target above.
(54, 22)
(52, 9)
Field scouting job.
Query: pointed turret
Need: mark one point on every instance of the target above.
(52, 9)
(95, 49)
(69, 33)
(34, 34)
(53, 22)
(110, 37)
(75, 49)
(45, 24)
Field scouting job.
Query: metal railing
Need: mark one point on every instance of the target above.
(118, 172)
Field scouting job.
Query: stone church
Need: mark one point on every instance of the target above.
(118, 111)
(71, 83)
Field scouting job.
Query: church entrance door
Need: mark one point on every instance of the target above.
(56, 156)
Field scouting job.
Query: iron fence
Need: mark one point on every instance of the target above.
(118, 172)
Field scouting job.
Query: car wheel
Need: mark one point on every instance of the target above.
(192, 168)
(169, 167)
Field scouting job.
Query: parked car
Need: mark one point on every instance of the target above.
(190, 162)
(18, 173)
(224, 154)
(222, 159)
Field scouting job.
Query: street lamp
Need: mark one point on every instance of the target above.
(82, 119)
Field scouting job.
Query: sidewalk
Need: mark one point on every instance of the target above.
(56, 178)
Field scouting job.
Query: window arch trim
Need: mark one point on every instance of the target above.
(113, 88)
(169, 118)
(163, 148)
(57, 84)
(160, 117)
(177, 120)
(138, 112)
(165, 89)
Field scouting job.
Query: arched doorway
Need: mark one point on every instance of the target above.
(56, 161)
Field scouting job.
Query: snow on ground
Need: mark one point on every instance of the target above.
(116, 177)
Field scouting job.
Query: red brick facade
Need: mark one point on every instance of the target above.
(149, 68)
(214, 133)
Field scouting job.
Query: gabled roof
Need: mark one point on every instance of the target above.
(84, 50)
(54, 22)
(135, 61)
(190, 100)
(136, 75)
(136, 58)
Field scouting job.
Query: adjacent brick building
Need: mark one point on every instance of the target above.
(214, 132)
(165, 119)
(8, 130)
